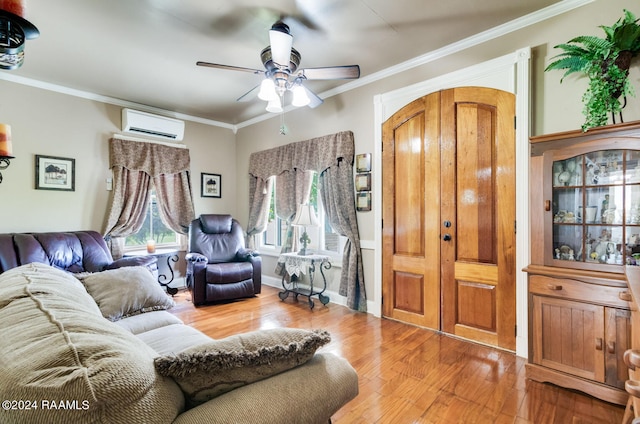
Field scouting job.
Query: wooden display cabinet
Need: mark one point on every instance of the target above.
(585, 226)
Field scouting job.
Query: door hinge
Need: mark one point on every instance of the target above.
(515, 123)
(516, 330)
(515, 227)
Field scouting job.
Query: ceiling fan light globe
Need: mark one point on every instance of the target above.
(274, 106)
(267, 90)
(300, 97)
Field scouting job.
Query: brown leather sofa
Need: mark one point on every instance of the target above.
(219, 267)
(75, 251)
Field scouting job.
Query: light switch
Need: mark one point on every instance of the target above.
(109, 184)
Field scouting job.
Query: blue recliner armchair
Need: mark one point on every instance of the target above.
(219, 267)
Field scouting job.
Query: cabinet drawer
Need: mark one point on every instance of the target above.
(577, 290)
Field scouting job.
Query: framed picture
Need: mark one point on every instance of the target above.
(54, 173)
(363, 202)
(211, 185)
(363, 182)
(363, 162)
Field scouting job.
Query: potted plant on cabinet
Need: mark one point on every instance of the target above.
(606, 62)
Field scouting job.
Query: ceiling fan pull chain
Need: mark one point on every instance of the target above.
(283, 128)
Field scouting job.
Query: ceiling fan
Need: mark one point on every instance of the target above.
(281, 73)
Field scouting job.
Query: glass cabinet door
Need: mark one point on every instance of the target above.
(596, 208)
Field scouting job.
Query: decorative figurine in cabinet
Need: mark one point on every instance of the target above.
(595, 203)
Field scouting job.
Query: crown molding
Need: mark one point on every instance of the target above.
(482, 37)
(111, 100)
(548, 12)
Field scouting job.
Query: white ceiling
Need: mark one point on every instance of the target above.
(144, 51)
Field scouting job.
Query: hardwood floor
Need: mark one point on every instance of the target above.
(409, 374)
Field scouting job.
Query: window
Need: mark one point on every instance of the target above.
(323, 237)
(152, 229)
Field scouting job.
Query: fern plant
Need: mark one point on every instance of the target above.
(606, 63)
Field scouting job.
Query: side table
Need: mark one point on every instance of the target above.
(171, 256)
(296, 265)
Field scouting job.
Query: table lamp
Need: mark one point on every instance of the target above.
(305, 217)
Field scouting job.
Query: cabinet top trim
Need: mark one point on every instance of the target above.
(627, 133)
(625, 129)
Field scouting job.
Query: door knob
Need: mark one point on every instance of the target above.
(447, 237)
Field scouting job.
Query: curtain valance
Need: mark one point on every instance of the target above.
(137, 166)
(151, 158)
(316, 154)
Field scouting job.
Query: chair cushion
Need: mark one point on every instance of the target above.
(216, 224)
(211, 369)
(173, 338)
(230, 272)
(230, 291)
(148, 321)
(218, 237)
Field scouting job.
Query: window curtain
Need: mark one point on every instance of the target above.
(259, 201)
(322, 155)
(336, 188)
(135, 166)
(129, 207)
(292, 189)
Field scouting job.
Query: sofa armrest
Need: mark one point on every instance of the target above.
(252, 256)
(245, 254)
(256, 262)
(196, 257)
(196, 276)
(318, 389)
(148, 261)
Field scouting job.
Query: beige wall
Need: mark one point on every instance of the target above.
(555, 107)
(44, 122)
(49, 123)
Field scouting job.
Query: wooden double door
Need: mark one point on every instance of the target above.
(449, 214)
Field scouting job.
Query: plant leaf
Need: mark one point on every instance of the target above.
(627, 36)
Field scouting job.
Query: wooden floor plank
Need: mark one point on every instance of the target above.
(409, 374)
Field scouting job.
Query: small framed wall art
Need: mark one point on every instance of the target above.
(363, 202)
(363, 182)
(363, 162)
(54, 173)
(211, 185)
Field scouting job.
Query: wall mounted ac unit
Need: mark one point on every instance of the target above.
(134, 121)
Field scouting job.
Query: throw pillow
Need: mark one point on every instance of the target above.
(211, 369)
(127, 291)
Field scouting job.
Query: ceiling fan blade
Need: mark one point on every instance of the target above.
(249, 95)
(314, 99)
(331, 72)
(230, 68)
(281, 42)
